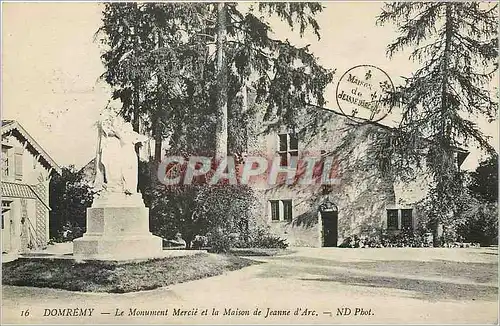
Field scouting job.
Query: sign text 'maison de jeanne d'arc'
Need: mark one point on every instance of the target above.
(360, 93)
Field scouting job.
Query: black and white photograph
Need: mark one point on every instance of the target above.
(207, 163)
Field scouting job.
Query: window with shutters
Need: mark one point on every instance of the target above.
(288, 147)
(18, 163)
(275, 210)
(287, 210)
(400, 219)
(281, 210)
(5, 161)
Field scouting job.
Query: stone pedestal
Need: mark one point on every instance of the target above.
(117, 229)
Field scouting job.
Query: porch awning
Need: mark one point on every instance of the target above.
(20, 190)
(17, 190)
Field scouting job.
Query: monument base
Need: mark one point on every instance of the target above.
(117, 229)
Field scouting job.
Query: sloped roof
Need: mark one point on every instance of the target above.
(17, 190)
(12, 126)
(20, 190)
(461, 152)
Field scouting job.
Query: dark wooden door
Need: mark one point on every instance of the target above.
(330, 226)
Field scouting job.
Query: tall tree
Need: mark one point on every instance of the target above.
(456, 45)
(208, 53)
(484, 181)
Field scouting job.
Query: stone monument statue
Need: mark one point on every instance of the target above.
(116, 160)
(118, 221)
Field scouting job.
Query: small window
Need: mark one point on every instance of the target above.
(392, 219)
(275, 210)
(281, 210)
(288, 147)
(407, 219)
(287, 210)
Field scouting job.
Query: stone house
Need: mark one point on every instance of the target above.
(361, 201)
(26, 173)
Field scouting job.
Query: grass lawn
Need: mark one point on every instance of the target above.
(117, 277)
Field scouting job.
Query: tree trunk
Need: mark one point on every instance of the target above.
(221, 110)
(158, 142)
(157, 128)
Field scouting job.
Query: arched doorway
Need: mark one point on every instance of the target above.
(329, 218)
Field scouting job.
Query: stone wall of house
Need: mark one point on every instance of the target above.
(361, 195)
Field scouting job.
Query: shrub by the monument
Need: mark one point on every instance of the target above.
(205, 215)
(173, 210)
(228, 212)
(69, 199)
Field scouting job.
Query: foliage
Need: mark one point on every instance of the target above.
(228, 210)
(160, 60)
(456, 44)
(213, 213)
(444, 206)
(484, 180)
(479, 214)
(261, 237)
(385, 239)
(172, 210)
(69, 199)
(480, 222)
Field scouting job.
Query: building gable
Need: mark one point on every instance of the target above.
(13, 128)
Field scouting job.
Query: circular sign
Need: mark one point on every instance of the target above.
(362, 93)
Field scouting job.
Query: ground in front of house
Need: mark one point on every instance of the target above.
(311, 285)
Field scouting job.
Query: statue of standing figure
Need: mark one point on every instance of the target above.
(116, 159)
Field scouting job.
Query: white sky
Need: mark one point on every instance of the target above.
(51, 67)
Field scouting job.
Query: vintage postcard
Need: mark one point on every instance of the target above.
(249, 162)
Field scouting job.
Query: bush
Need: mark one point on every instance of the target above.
(199, 241)
(221, 240)
(227, 210)
(404, 238)
(70, 196)
(481, 224)
(384, 238)
(217, 216)
(261, 237)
